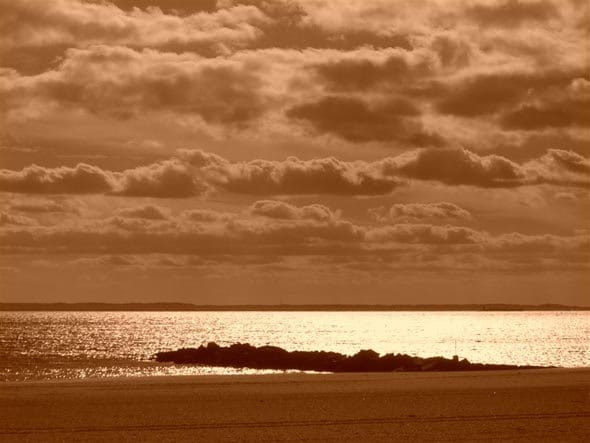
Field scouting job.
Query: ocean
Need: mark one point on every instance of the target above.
(70, 345)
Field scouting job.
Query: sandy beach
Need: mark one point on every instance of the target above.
(537, 405)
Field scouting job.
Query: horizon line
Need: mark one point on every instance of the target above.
(183, 306)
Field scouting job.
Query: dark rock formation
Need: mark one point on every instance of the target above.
(271, 357)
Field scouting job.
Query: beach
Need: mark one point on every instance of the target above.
(532, 405)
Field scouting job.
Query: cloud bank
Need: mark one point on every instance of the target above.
(195, 172)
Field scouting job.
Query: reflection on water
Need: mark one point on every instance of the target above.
(44, 345)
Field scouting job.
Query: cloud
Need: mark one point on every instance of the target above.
(243, 234)
(512, 13)
(458, 167)
(79, 23)
(195, 173)
(217, 90)
(355, 120)
(462, 167)
(35, 179)
(33, 205)
(452, 49)
(207, 215)
(166, 179)
(566, 197)
(150, 212)
(426, 233)
(483, 94)
(292, 26)
(568, 160)
(8, 219)
(360, 73)
(562, 167)
(97, 96)
(144, 261)
(169, 178)
(561, 113)
(518, 242)
(180, 7)
(418, 211)
(109, 260)
(284, 211)
(292, 176)
(293, 232)
(580, 87)
(367, 94)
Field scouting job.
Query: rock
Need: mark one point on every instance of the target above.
(244, 355)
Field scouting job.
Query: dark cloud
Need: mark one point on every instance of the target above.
(32, 61)
(280, 9)
(305, 35)
(358, 74)
(490, 93)
(462, 167)
(553, 114)
(452, 50)
(182, 7)
(458, 167)
(512, 13)
(355, 120)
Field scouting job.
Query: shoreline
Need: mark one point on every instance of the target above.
(263, 376)
(288, 376)
(551, 404)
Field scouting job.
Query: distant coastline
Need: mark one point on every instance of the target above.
(283, 307)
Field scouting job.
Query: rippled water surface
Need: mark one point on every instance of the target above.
(44, 345)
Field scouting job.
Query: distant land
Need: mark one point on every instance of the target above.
(290, 308)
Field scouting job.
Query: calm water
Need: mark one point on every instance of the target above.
(44, 345)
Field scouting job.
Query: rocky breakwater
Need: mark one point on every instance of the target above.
(244, 355)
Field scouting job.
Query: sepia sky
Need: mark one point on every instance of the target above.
(295, 151)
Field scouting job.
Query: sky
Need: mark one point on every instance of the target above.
(295, 151)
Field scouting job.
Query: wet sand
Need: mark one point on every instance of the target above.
(536, 405)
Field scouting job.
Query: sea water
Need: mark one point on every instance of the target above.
(68, 345)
